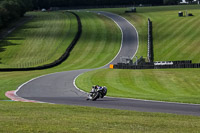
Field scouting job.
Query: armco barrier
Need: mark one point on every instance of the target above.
(58, 61)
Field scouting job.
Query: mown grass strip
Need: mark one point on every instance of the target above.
(162, 85)
(38, 41)
(89, 52)
(28, 117)
(61, 59)
(99, 43)
(175, 38)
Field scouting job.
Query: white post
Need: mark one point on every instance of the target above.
(136, 61)
(186, 13)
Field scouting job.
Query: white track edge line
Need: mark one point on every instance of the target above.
(98, 68)
(143, 100)
(121, 40)
(15, 93)
(74, 82)
(132, 26)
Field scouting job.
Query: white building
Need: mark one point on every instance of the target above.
(183, 1)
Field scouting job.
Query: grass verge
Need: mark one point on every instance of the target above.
(40, 41)
(175, 38)
(174, 85)
(28, 117)
(96, 47)
(170, 43)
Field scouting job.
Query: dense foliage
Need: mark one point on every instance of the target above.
(171, 2)
(80, 3)
(13, 9)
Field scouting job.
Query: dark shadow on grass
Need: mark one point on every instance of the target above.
(4, 44)
(13, 38)
(30, 27)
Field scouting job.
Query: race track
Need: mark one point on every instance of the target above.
(59, 88)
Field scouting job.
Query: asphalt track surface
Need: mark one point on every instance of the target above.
(59, 87)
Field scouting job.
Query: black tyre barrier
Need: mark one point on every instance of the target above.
(58, 61)
(128, 66)
(150, 55)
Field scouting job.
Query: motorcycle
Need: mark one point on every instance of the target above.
(96, 93)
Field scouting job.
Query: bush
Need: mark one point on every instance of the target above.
(13, 9)
(3, 16)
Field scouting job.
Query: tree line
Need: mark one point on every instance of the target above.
(13, 9)
(175, 2)
(38, 4)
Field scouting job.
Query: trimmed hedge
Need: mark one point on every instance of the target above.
(58, 61)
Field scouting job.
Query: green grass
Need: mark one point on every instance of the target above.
(40, 41)
(175, 38)
(45, 39)
(96, 47)
(28, 118)
(174, 85)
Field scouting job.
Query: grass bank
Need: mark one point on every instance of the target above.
(40, 41)
(96, 47)
(174, 85)
(28, 118)
(175, 38)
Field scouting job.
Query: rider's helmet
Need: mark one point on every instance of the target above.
(97, 86)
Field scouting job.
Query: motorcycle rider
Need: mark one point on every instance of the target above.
(104, 90)
(95, 87)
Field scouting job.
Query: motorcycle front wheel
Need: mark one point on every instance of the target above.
(95, 96)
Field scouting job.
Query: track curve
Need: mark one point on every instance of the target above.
(59, 87)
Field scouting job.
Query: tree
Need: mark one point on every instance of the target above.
(13, 9)
(171, 2)
(4, 18)
(189, 1)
